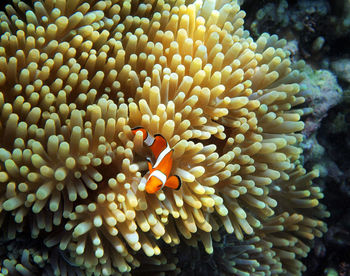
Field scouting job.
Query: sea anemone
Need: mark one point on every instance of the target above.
(76, 77)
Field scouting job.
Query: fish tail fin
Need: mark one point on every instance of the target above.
(174, 182)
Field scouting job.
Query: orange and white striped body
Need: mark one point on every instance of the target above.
(159, 171)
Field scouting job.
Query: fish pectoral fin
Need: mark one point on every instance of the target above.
(149, 163)
(174, 182)
(149, 160)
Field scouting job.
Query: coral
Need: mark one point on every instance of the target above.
(322, 92)
(271, 13)
(341, 67)
(284, 14)
(304, 20)
(75, 78)
(343, 20)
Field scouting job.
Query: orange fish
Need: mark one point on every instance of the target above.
(160, 170)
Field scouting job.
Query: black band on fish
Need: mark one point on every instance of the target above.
(180, 182)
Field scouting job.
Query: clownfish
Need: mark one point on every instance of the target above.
(160, 170)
